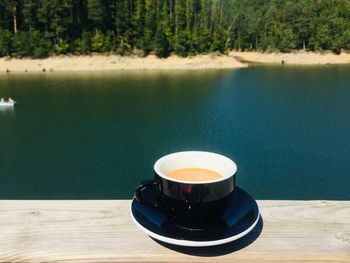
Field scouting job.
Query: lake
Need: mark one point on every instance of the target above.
(96, 135)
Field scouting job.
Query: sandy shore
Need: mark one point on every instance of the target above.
(115, 62)
(293, 58)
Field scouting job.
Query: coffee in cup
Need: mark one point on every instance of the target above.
(194, 174)
(193, 187)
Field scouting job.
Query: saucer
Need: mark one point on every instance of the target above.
(239, 218)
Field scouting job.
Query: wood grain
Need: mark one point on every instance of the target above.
(102, 231)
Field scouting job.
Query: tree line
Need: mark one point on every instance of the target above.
(39, 28)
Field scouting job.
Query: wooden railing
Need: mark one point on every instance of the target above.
(102, 231)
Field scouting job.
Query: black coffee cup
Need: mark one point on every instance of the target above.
(191, 204)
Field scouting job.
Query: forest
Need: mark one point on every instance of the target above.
(41, 28)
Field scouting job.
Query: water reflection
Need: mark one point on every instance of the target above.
(92, 136)
(7, 111)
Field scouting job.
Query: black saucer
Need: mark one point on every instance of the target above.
(240, 217)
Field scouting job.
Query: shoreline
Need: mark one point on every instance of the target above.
(302, 58)
(235, 59)
(117, 63)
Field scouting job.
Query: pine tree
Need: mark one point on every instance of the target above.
(43, 27)
(138, 24)
(96, 12)
(150, 24)
(161, 42)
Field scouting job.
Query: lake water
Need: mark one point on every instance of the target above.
(95, 136)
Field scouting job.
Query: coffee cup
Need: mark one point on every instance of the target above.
(192, 187)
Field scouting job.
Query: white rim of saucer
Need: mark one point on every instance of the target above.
(189, 243)
(230, 165)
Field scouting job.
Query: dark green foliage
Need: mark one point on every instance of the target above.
(97, 43)
(182, 44)
(20, 45)
(5, 42)
(83, 45)
(62, 47)
(39, 28)
(161, 43)
(284, 25)
(42, 45)
(150, 24)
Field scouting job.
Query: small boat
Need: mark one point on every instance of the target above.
(7, 103)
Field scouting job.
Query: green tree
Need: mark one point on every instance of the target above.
(5, 42)
(43, 27)
(97, 43)
(42, 46)
(162, 48)
(150, 24)
(20, 47)
(138, 24)
(83, 45)
(62, 47)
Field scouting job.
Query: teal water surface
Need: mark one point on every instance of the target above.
(96, 135)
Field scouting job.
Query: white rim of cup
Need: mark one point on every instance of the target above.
(232, 169)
